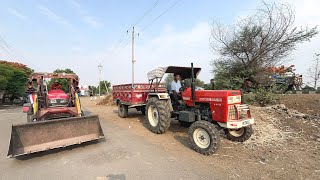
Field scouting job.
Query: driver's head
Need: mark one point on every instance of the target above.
(176, 77)
(56, 82)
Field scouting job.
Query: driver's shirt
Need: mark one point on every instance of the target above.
(54, 86)
(175, 86)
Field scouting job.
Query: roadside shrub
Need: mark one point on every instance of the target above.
(261, 96)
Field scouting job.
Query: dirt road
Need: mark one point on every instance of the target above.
(279, 149)
(123, 155)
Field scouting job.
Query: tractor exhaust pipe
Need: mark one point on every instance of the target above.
(193, 88)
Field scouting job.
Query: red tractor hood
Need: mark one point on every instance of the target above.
(57, 94)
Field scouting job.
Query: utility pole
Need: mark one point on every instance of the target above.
(100, 69)
(133, 61)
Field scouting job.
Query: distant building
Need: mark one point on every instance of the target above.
(84, 90)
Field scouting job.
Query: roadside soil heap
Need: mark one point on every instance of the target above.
(107, 101)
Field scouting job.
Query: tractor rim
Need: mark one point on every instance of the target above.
(201, 138)
(153, 115)
(236, 132)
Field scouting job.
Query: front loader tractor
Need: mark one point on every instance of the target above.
(54, 117)
(205, 112)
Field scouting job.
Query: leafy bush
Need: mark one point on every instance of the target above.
(261, 96)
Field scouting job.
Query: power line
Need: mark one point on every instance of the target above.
(6, 51)
(146, 13)
(164, 12)
(6, 48)
(175, 3)
(118, 44)
(13, 53)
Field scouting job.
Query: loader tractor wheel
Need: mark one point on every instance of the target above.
(239, 135)
(122, 110)
(158, 115)
(204, 137)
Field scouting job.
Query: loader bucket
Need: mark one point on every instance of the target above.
(44, 135)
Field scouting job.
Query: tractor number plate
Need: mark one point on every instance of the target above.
(245, 123)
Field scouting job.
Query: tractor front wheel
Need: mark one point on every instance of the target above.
(239, 135)
(122, 110)
(158, 115)
(204, 137)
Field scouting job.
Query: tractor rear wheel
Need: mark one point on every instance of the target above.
(122, 110)
(239, 135)
(158, 115)
(204, 137)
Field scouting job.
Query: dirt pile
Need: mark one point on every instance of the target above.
(107, 101)
(278, 125)
(292, 113)
(268, 130)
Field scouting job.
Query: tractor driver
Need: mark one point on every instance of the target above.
(55, 85)
(175, 88)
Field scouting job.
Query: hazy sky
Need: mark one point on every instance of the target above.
(78, 34)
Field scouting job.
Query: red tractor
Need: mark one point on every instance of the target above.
(54, 117)
(52, 102)
(205, 111)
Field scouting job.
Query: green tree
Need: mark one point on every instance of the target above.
(104, 86)
(64, 82)
(254, 43)
(13, 77)
(167, 81)
(16, 84)
(199, 83)
(5, 73)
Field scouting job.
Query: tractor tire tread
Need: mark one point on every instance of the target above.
(213, 133)
(123, 114)
(248, 131)
(164, 116)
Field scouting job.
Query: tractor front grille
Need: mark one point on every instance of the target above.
(236, 112)
(58, 103)
(231, 112)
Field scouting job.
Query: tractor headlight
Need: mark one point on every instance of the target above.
(234, 99)
(63, 101)
(53, 101)
(238, 99)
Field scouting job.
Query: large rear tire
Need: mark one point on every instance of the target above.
(122, 110)
(239, 135)
(204, 137)
(157, 115)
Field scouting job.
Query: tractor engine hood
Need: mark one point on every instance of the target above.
(57, 94)
(213, 96)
